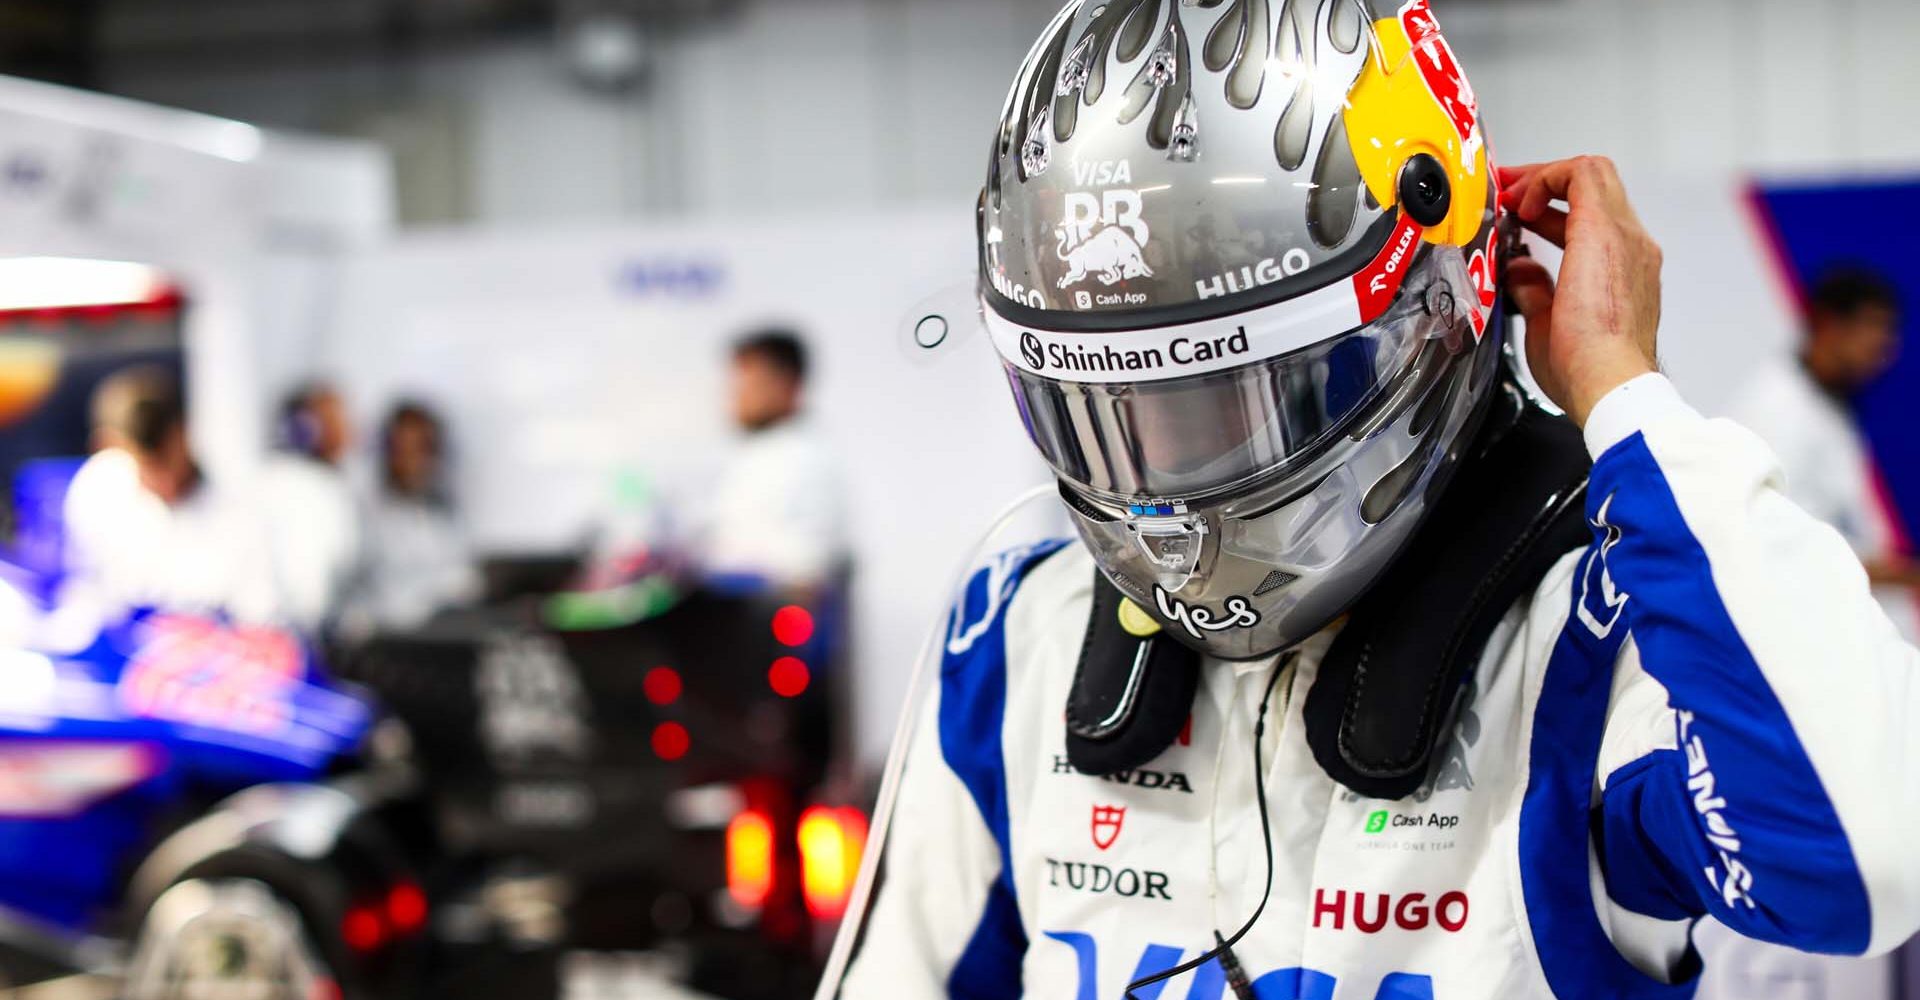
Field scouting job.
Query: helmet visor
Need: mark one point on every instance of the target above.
(1182, 438)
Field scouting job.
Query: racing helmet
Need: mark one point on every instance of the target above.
(1240, 261)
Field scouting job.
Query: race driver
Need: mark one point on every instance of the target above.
(1245, 264)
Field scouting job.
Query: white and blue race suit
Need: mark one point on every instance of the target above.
(1704, 713)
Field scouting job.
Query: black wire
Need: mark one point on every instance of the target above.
(1266, 836)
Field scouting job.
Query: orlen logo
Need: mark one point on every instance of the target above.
(1375, 284)
(1373, 912)
(1402, 242)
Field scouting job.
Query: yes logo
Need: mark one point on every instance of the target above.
(1377, 822)
(1236, 612)
(1106, 825)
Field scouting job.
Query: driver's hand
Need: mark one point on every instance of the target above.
(1597, 329)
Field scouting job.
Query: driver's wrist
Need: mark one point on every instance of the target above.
(1599, 381)
(1634, 406)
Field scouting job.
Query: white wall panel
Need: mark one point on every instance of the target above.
(871, 103)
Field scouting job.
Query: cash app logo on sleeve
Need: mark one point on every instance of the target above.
(1377, 822)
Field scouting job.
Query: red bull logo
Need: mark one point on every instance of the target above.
(1109, 255)
(1103, 236)
(1444, 78)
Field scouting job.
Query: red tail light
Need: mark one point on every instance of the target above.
(789, 677)
(792, 625)
(662, 685)
(362, 929)
(831, 841)
(671, 741)
(406, 908)
(750, 858)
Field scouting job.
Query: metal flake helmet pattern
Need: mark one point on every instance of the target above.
(1240, 260)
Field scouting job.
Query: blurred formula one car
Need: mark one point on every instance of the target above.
(168, 826)
(192, 809)
(648, 760)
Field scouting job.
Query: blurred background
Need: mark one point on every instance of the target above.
(517, 415)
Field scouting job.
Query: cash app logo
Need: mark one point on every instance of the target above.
(1377, 822)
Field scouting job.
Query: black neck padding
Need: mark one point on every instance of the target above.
(1388, 684)
(1131, 695)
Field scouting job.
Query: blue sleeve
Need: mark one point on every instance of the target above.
(1787, 687)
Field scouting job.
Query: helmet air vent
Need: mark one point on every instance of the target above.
(1035, 153)
(1163, 67)
(1184, 144)
(1079, 67)
(1274, 581)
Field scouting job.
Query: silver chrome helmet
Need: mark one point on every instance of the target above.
(1240, 259)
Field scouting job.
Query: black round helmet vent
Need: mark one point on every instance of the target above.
(1425, 193)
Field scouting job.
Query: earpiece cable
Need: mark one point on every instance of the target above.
(1224, 949)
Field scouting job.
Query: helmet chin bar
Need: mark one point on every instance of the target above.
(1243, 576)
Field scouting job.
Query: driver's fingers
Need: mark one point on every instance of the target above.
(1510, 176)
(1550, 184)
(1590, 184)
(1550, 223)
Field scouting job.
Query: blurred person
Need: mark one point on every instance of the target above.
(417, 558)
(147, 528)
(310, 505)
(1380, 680)
(775, 517)
(1802, 407)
